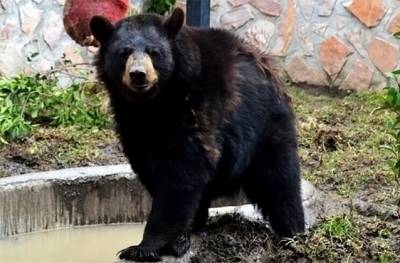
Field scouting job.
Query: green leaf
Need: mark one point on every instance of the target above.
(388, 148)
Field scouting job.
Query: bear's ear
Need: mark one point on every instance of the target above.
(174, 23)
(101, 28)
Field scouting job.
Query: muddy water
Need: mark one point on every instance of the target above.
(97, 244)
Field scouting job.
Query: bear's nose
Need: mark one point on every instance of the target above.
(138, 77)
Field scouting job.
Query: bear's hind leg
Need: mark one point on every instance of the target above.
(273, 184)
(201, 217)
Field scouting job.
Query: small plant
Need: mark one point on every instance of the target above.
(161, 7)
(30, 101)
(392, 103)
(337, 228)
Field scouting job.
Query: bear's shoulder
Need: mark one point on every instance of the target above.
(210, 37)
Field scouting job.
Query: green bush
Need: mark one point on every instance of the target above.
(161, 7)
(30, 101)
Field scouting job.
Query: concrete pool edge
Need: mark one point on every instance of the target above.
(73, 197)
(103, 195)
(67, 174)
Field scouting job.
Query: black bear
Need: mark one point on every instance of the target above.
(200, 115)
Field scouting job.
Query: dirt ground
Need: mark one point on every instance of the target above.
(339, 147)
(57, 148)
(231, 238)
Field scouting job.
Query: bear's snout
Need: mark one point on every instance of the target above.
(140, 75)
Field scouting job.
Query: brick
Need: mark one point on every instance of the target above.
(333, 55)
(369, 12)
(359, 77)
(394, 24)
(300, 72)
(383, 54)
(236, 18)
(267, 7)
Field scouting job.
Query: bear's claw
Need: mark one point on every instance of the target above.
(140, 254)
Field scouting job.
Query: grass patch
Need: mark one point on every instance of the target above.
(27, 102)
(60, 147)
(69, 145)
(345, 239)
(340, 139)
(337, 229)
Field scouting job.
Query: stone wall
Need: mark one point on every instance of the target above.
(346, 44)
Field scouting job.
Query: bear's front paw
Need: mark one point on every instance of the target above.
(140, 254)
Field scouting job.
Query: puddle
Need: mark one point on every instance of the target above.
(97, 244)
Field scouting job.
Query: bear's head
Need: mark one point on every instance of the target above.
(136, 57)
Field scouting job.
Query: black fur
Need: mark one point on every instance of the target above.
(217, 121)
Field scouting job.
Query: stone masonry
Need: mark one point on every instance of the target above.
(341, 44)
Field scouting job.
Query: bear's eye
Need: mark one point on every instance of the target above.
(153, 52)
(126, 51)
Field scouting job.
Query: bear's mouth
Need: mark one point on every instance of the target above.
(141, 88)
(139, 92)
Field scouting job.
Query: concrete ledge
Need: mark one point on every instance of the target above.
(69, 197)
(67, 174)
(76, 196)
(103, 195)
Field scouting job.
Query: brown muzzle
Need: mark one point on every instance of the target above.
(139, 75)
